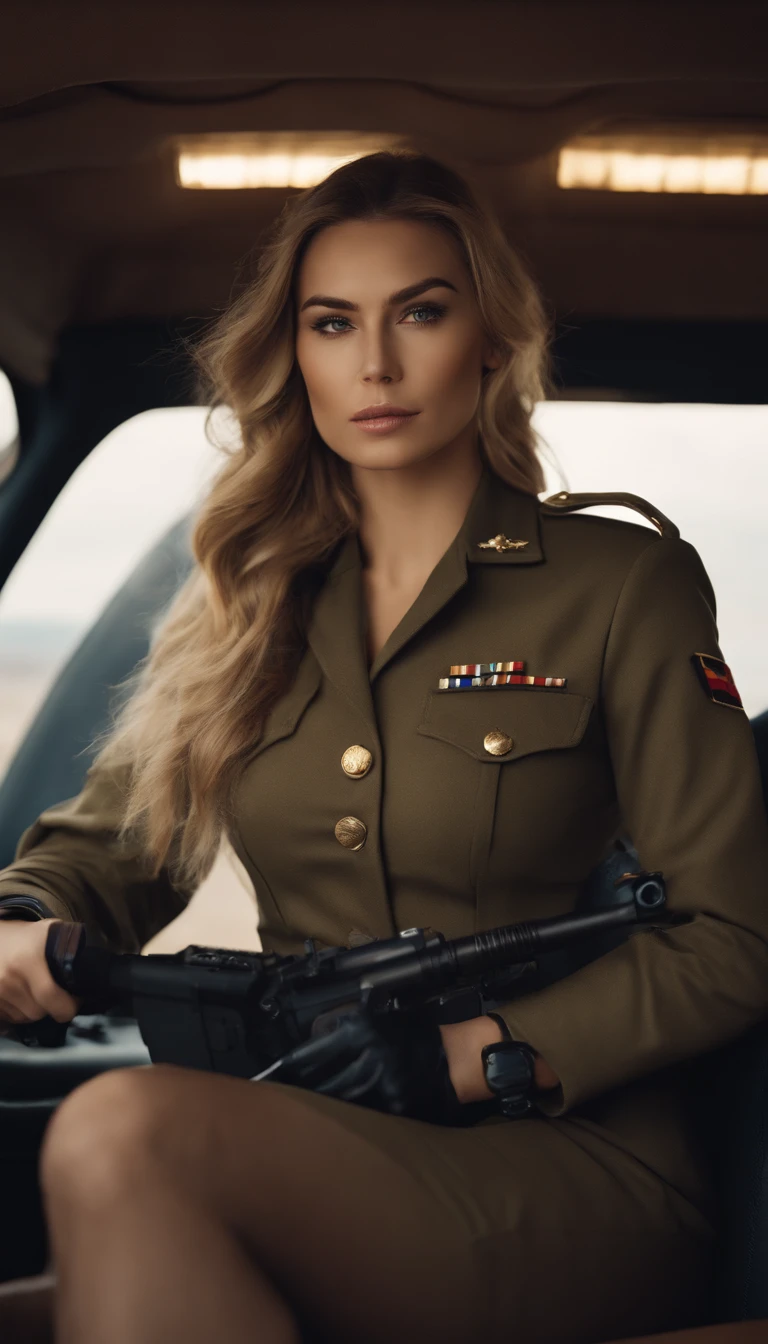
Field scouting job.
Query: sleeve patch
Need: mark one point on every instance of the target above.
(715, 677)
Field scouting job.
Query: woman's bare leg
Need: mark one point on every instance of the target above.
(138, 1255)
(155, 1266)
(191, 1205)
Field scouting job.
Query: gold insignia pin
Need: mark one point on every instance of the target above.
(501, 543)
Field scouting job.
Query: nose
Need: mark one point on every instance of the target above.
(380, 362)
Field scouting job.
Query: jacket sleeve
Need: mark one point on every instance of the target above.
(689, 789)
(68, 865)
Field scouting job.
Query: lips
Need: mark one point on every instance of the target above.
(381, 410)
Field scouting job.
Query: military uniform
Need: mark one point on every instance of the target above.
(410, 794)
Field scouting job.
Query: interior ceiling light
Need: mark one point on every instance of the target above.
(227, 161)
(717, 164)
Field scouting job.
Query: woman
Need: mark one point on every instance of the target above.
(295, 698)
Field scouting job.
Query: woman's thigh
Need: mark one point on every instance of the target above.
(359, 1246)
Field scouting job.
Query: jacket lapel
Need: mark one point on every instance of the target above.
(337, 631)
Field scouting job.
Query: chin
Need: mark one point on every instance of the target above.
(387, 455)
(377, 456)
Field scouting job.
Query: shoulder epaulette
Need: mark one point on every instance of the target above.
(564, 502)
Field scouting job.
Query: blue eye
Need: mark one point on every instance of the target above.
(436, 311)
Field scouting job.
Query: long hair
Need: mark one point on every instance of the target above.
(222, 652)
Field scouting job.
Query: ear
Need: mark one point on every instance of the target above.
(491, 359)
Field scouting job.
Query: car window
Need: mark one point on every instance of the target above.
(134, 486)
(705, 467)
(151, 470)
(130, 490)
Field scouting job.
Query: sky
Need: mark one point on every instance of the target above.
(704, 466)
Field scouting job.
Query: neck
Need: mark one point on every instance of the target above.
(409, 516)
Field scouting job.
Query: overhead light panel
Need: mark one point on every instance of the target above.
(708, 164)
(230, 161)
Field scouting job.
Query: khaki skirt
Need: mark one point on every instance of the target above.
(574, 1240)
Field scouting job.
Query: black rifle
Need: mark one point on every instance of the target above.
(246, 1013)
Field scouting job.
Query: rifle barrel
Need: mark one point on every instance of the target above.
(511, 943)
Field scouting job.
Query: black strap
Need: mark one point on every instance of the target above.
(24, 907)
(507, 1034)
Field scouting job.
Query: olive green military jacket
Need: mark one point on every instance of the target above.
(492, 804)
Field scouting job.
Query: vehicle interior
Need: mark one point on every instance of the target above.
(143, 151)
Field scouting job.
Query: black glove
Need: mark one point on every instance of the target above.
(393, 1062)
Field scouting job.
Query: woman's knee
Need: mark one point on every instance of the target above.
(108, 1134)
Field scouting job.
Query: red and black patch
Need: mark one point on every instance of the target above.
(715, 677)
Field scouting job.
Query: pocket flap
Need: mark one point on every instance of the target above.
(535, 720)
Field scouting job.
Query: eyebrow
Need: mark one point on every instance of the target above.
(402, 295)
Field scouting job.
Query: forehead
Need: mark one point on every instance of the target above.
(373, 255)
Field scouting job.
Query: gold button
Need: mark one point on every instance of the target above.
(497, 743)
(351, 832)
(356, 761)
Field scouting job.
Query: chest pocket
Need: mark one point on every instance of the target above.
(534, 722)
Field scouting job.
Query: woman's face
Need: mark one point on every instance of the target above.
(360, 348)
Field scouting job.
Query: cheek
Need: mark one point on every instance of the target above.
(452, 376)
(322, 376)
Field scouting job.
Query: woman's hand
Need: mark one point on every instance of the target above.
(400, 1063)
(392, 1062)
(27, 989)
(464, 1041)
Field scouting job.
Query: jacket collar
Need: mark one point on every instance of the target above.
(337, 630)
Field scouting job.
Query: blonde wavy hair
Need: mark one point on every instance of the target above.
(222, 652)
